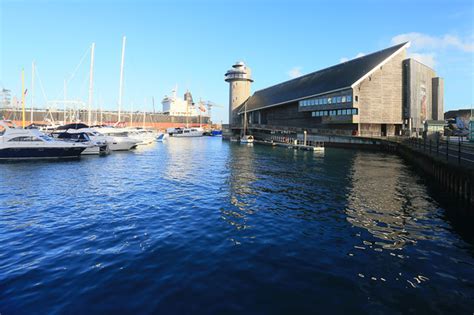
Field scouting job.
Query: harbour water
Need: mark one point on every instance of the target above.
(211, 227)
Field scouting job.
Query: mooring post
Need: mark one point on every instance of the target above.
(447, 149)
(437, 145)
(459, 153)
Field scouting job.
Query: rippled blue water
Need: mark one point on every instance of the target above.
(211, 227)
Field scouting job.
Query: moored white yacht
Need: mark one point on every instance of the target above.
(115, 142)
(118, 138)
(18, 143)
(79, 132)
(186, 132)
(143, 136)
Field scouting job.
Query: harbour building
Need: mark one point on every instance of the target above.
(380, 94)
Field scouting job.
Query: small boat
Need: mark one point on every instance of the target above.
(246, 139)
(162, 137)
(23, 144)
(216, 133)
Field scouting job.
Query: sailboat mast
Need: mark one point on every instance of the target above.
(245, 119)
(131, 115)
(23, 98)
(144, 117)
(65, 98)
(32, 90)
(121, 79)
(91, 86)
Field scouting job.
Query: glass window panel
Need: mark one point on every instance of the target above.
(349, 98)
(329, 100)
(343, 99)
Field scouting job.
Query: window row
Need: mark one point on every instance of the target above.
(24, 139)
(326, 100)
(336, 112)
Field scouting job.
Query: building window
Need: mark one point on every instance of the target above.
(357, 98)
(355, 111)
(326, 113)
(329, 100)
(325, 101)
(349, 98)
(339, 99)
(343, 99)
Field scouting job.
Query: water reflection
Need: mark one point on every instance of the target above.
(381, 200)
(242, 196)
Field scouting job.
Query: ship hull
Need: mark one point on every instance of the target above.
(40, 153)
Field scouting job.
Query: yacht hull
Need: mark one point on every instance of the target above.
(40, 153)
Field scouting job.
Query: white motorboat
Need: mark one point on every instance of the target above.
(80, 132)
(18, 144)
(94, 147)
(143, 136)
(117, 139)
(186, 132)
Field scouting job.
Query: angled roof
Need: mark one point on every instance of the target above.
(338, 77)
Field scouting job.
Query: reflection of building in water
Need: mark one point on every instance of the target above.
(379, 200)
(241, 193)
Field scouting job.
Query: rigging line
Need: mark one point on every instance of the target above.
(41, 84)
(73, 74)
(77, 67)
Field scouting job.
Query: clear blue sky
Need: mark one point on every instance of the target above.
(193, 43)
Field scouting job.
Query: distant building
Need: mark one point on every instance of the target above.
(5, 98)
(379, 94)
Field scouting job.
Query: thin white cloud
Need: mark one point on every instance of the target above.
(295, 72)
(345, 59)
(424, 47)
(426, 59)
(420, 41)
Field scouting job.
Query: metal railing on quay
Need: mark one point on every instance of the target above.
(460, 153)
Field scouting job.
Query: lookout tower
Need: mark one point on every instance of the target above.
(239, 78)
